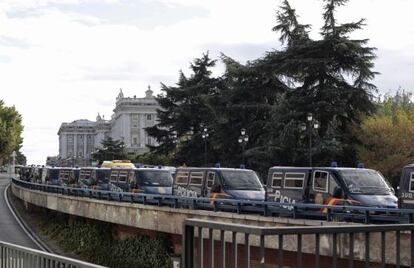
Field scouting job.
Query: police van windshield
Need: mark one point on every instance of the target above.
(365, 182)
(161, 178)
(241, 180)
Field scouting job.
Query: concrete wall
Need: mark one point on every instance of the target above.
(169, 220)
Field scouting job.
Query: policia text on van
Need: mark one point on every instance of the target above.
(330, 186)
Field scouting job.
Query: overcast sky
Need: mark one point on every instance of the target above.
(62, 60)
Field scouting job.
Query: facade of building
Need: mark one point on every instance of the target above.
(79, 139)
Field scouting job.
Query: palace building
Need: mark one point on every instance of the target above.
(80, 138)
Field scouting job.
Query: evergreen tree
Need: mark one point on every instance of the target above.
(270, 97)
(111, 150)
(291, 31)
(20, 157)
(245, 99)
(329, 78)
(184, 112)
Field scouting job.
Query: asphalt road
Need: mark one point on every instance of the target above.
(10, 230)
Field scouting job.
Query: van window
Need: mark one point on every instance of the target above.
(332, 185)
(64, 174)
(131, 177)
(114, 175)
(210, 179)
(364, 181)
(277, 180)
(294, 180)
(123, 176)
(44, 174)
(412, 182)
(92, 177)
(241, 180)
(320, 181)
(156, 178)
(182, 178)
(196, 178)
(84, 174)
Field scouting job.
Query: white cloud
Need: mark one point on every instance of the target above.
(59, 65)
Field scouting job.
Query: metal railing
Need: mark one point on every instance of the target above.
(264, 208)
(240, 255)
(13, 256)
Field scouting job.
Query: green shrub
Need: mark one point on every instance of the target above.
(94, 242)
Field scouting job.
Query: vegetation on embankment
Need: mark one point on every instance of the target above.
(95, 242)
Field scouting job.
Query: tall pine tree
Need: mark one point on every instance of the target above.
(245, 99)
(329, 78)
(184, 112)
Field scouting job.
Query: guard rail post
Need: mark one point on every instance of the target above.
(188, 246)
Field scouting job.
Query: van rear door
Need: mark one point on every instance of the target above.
(195, 184)
(406, 192)
(322, 188)
(319, 187)
(210, 180)
(188, 183)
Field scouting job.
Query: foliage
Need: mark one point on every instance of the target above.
(291, 31)
(184, 112)
(245, 99)
(11, 129)
(20, 157)
(329, 77)
(110, 150)
(141, 251)
(387, 137)
(150, 158)
(94, 242)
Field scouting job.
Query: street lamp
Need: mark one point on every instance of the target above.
(175, 139)
(243, 139)
(310, 126)
(12, 164)
(204, 135)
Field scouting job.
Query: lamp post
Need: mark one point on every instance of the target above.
(12, 164)
(310, 126)
(175, 139)
(204, 135)
(243, 139)
(123, 151)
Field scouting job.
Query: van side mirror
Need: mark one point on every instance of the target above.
(215, 188)
(338, 193)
